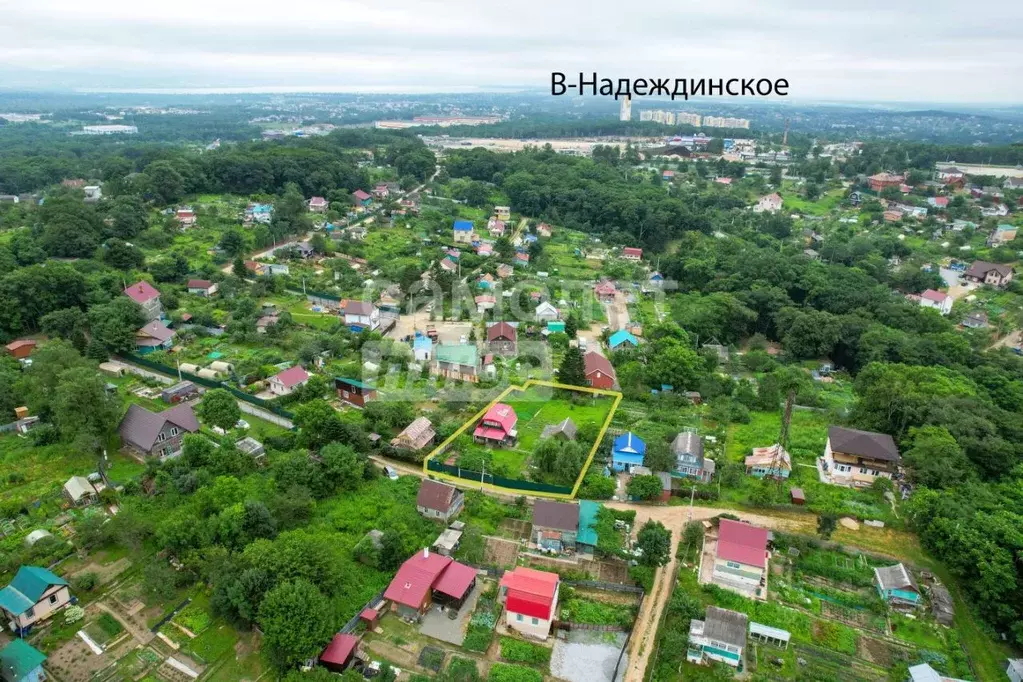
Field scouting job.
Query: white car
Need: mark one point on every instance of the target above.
(391, 472)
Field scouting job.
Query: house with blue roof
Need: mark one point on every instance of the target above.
(621, 337)
(463, 230)
(21, 662)
(627, 452)
(34, 595)
(422, 348)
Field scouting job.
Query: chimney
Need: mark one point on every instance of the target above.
(426, 552)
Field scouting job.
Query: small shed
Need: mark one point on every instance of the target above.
(178, 392)
(370, 616)
(251, 447)
(340, 653)
(797, 496)
(447, 542)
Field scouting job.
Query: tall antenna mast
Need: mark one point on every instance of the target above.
(783, 437)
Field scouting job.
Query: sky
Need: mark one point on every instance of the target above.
(877, 50)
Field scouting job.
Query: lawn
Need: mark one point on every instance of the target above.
(536, 408)
(821, 206)
(808, 433)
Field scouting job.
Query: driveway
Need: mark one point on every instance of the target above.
(438, 625)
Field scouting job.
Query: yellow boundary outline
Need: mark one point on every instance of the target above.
(504, 394)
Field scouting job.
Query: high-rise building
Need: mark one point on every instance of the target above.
(646, 115)
(685, 118)
(725, 122)
(626, 113)
(669, 118)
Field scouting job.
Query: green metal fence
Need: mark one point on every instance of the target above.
(208, 383)
(481, 477)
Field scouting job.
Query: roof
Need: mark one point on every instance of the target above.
(434, 494)
(339, 649)
(78, 487)
(199, 284)
(142, 291)
(629, 443)
(357, 308)
(566, 426)
(422, 342)
(867, 444)
(20, 343)
(501, 330)
(141, 427)
(767, 456)
(455, 580)
(594, 361)
(419, 430)
(530, 592)
(20, 658)
(457, 354)
(620, 337)
(360, 195)
(980, 269)
(546, 307)
(632, 251)
(605, 288)
(463, 226)
(725, 626)
(502, 414)
(559, 515)
(587, 534)
(687, 443)
(932, 295)
(415, 578)
(156, 330)
(27, 587)
(743, 543)
(292, 376)
(941, 602)
(776, 633)
(895, 578)
(356, 383)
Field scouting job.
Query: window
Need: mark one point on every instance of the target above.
(536, 621)
(174, 431)
(53, 599)
(29, 613)
(160, 437)
(732, 564)
(863, 470)
(518, 617)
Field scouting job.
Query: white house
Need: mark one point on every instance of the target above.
(530, 601)
(285, 383)
(937, 300)
(546, 312)
(361, 315)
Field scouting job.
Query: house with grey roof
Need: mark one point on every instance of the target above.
(79, 491)
(689, 458)
(157, 434)
(564, 429)
(720, 636)
(555, 525)
(896, 586)
(855, 458)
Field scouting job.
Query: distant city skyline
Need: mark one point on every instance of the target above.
(869, 51)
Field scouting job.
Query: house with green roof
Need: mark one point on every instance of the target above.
(34, 595)
(21, 662)
(586, 539)
(457, 361)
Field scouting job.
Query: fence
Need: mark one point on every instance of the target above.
(600, 585)
(481, 477)
(350, 625)
(569, 625)
(208, 383)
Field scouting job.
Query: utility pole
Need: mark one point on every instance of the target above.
(692, 499)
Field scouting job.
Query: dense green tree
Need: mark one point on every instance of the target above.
(296, 622)
(644, 487)
(114, 324)
(572, 370)
(655, 541)
(219, 408)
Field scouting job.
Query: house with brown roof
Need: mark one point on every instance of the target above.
(502, 338)
(993, 274)
(21, 348)
(157, 434)
(438, 500)
(856, 458)
(599, 371)
(152, 337)
(555, 525)
(202, 287)
(415, 436)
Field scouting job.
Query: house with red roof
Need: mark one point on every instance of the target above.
(632, 253)
(937, 300)
(340, 653)
(502, 338)
(605, 291)
(740, 558)
(285, 383)
(317, 204)
(361, 198)
(530, 600)
(202, 287)
(146, 295)
(185, 216)
(497, 426)
(426, 578)
(599, 371)
(21, 348)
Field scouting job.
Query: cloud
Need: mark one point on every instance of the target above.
(866, 50)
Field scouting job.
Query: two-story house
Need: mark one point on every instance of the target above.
(360, 315)
(157, 434)
(627, 451)
(992, 274)
(502, 338)
(855, 458)
(497, 427)
(32, 596)
(146, 295)
(530, 600)
(555, 525)
(689, 458)
(462, 231)
(457, 361)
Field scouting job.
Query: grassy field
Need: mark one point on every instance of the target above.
(536, 409)
(808, 433)
(822, 206)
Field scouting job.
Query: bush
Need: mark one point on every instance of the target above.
(500, 672)
(518, 651)
(85, 582)
(591, 612)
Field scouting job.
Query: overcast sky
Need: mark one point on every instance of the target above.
(940, 50)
